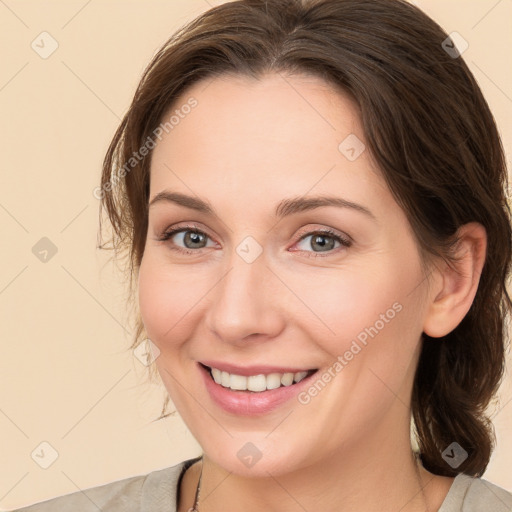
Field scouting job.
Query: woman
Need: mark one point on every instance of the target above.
(312, 198)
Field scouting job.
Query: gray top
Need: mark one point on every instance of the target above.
(157, 492)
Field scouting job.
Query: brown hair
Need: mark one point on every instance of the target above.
(428, 127)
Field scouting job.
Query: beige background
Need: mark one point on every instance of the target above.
(67, 377)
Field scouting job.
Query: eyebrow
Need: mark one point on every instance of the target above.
(284, 208)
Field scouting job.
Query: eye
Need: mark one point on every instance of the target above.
(191, 238)
(324, 240)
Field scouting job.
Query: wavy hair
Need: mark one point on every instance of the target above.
(428, 127)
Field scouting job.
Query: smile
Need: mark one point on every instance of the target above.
(261, 390)
(256, 383)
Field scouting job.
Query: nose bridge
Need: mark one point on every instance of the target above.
(240, 305)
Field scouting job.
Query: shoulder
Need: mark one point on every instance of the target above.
(155, 492)
(471, 494)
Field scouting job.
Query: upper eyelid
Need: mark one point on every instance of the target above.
(178, 229)
(309, 232)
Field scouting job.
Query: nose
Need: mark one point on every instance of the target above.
(246, 303)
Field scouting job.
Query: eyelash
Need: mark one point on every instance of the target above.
(168, 234)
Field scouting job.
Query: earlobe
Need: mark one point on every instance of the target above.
(450, 301)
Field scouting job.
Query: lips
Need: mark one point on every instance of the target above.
(257, 382)
(252, 370)
(252, 390)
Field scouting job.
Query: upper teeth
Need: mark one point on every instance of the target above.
(255, 382)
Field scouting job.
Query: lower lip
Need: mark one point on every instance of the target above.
(248, 403)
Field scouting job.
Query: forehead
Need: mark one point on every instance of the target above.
(276, 134)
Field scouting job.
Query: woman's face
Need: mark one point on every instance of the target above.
(252, 285)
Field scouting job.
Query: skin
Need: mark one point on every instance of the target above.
(246, 146)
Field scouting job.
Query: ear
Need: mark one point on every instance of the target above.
(455, 288)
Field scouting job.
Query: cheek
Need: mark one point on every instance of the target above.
(164, 299)
(376, 330)
(356, 305)
(370, 328)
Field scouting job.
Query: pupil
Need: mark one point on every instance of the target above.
(318, 240)
(195, 237)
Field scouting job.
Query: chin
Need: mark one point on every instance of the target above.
(256, 457)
